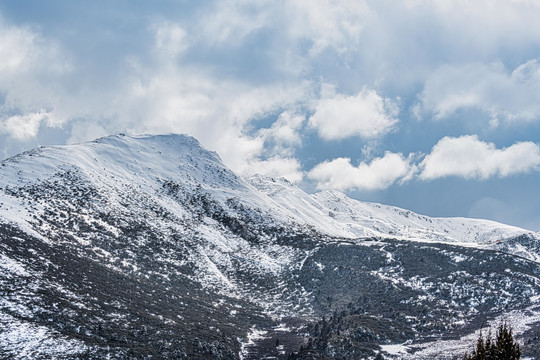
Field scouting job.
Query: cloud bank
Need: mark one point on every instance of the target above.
(505, 96)
(470, 158)
(466, 157)
(380, 173)
(259, 82)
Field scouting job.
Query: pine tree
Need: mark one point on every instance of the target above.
(503, 347)
(506, 347)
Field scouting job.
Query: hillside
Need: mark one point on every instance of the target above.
(150, 246)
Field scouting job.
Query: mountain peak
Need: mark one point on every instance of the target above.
(173, 144)
(158, 139)
(124, 161)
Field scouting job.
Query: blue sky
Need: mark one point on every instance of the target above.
(432, 106)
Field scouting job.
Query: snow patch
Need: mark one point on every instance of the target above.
(253, 335)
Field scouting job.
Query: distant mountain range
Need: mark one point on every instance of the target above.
(150, 247)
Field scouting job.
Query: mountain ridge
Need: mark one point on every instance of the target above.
(91, 232)
(184, 144)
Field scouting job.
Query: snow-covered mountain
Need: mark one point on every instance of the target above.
(120, 164)
(107, 242)
(333, 213)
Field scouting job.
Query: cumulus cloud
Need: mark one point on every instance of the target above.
(212, 69)
(507, 96)
(24, 53)
(285, 129)
(284, 136)
(471, 158)
(277, 144)
(380, 173)
(365, 114)
(29, 68)
(22, 127)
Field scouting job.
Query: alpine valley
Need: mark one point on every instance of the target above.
(149, 247)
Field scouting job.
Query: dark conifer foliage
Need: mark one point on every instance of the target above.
(502, 347)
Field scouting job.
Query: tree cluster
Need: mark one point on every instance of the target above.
(502, 347)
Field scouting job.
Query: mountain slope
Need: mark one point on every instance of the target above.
(336, 214)
(149, 246)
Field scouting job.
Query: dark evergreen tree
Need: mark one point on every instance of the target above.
(506, 347)
(503, 347)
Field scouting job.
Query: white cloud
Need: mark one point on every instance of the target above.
(285, 129)
(465, 156)
(29, 68)
(22, 127)
(278, 143)
(170, 38)
(380, 173)
(395, 33)
(327, 23)
(194, 73)
(284, 136)
(230, 21)
(366, 115)
(507, 96)
(16, 45)
(324, 24)
(84, 130)
(26, 126)
(156, 91)
(25, 55)
(469, 157)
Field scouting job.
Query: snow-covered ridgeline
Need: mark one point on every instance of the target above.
(117, 164)
(333, 213)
